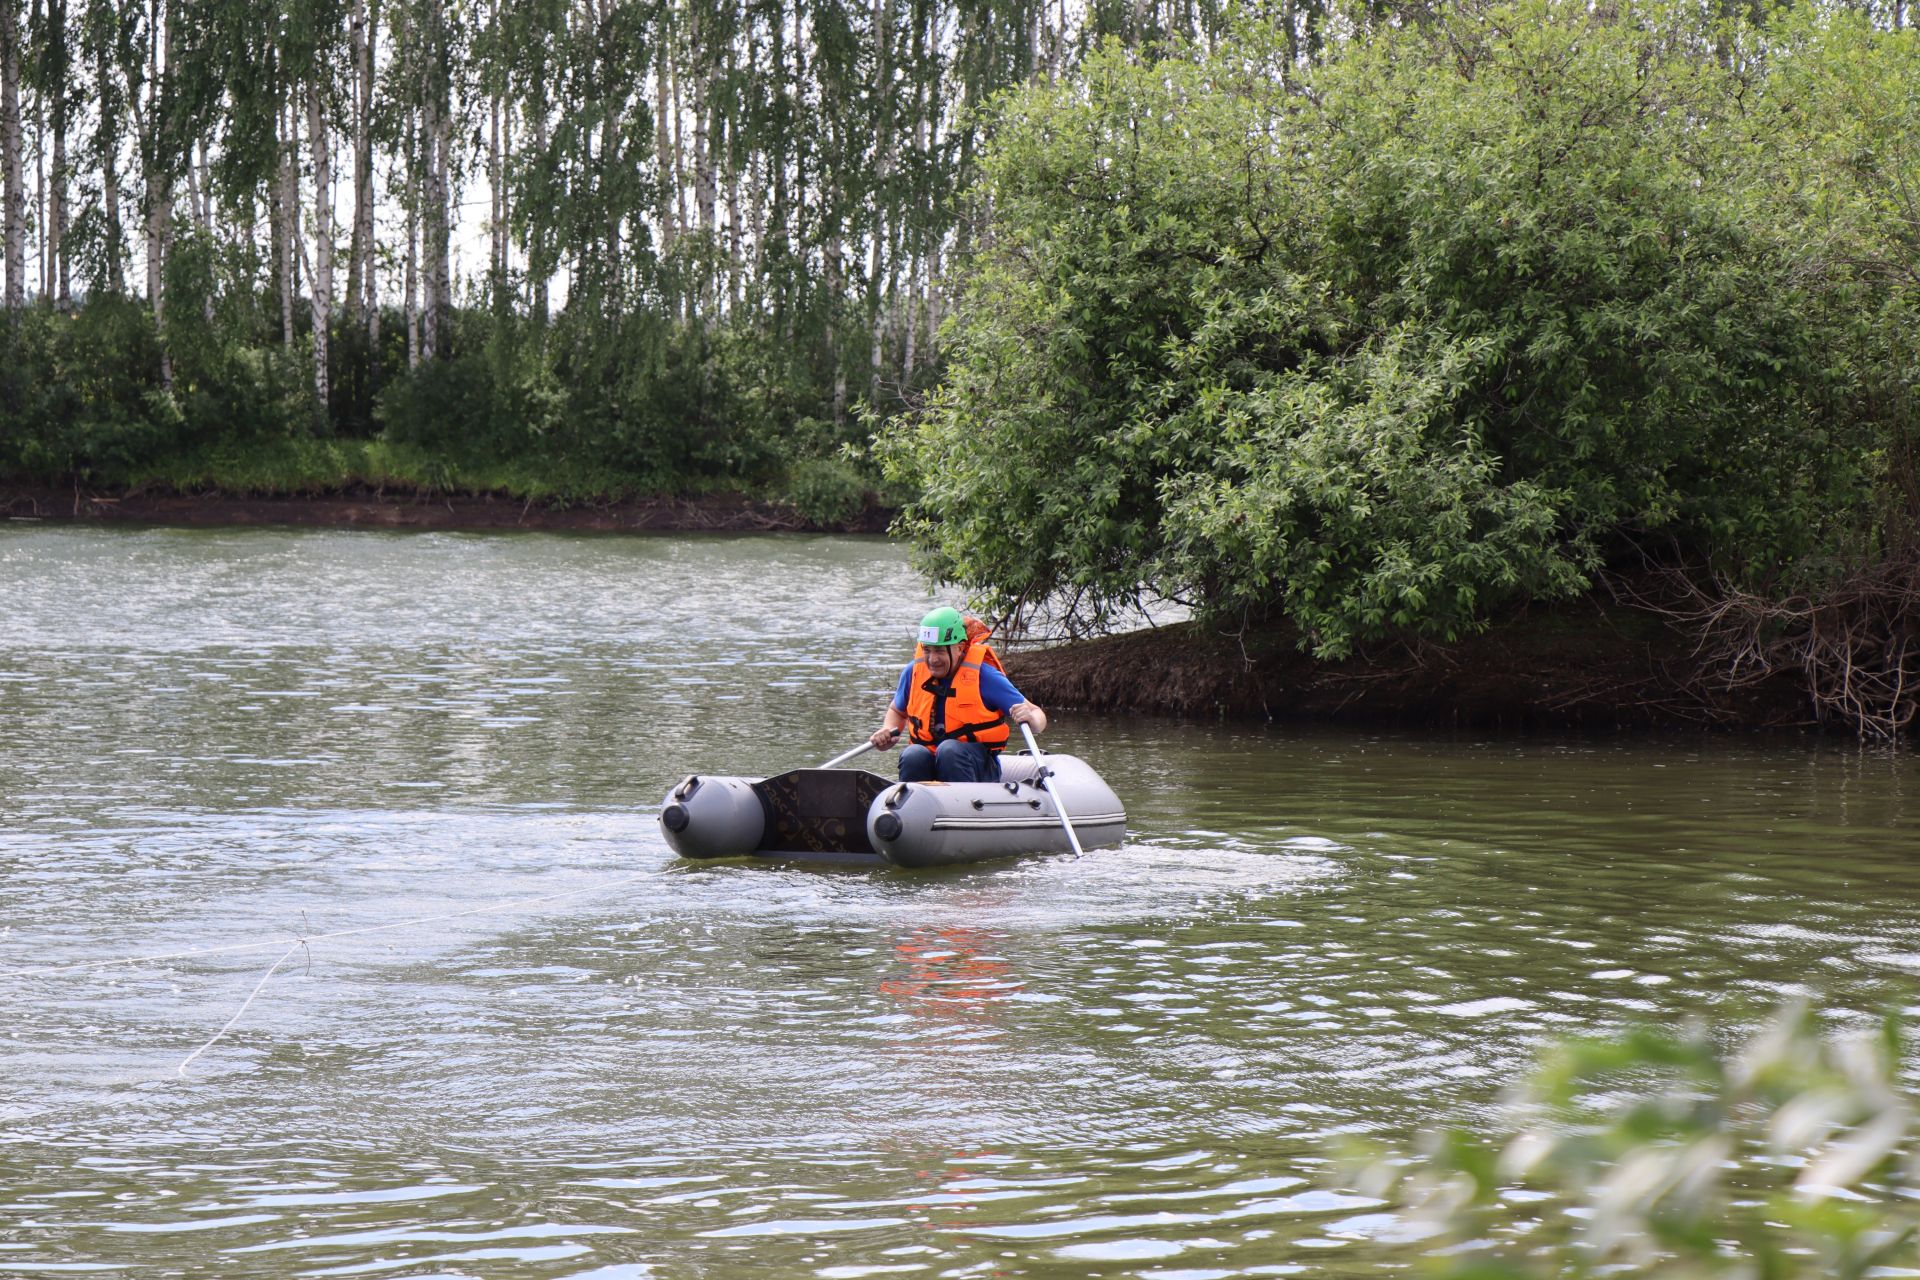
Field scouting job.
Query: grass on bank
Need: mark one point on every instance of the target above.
(824, 490)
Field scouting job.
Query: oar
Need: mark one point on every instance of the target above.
(845, 756)
(1059, 807)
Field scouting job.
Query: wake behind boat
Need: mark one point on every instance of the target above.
(857, 816)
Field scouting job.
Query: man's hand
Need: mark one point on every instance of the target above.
(883, 739)
(1028, 714)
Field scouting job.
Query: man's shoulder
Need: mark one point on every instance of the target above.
(994, 680)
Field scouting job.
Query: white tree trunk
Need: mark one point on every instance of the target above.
(413, 291)
(910, 326)
(416, 199)
(359, 245)
(322, 248)
(437, 144)
(733, 234)
(497, 196)
(40, 191)
(200, 200)
(110, 187)
(288, 221)
(57, 212)
(442, 214)
(159, 189)
(663, 143)
(704, 91)
(540, 286)
(496, 185)
(757, 213)
(10, 144)
(610, 156)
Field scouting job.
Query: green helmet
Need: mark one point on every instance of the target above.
(943, 627)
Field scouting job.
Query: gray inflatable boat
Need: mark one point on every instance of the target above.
(850, 815)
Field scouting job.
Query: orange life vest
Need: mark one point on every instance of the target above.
(954, 703)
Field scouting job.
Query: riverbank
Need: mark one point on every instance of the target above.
(370, 507)
(1592, 664)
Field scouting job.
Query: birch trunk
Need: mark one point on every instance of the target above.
(363, 197)
(883, 171)
(757, 214)
(497, 199)
(40, 185)
(540, 286)
(679, 153)
(442, 199)
(10, 144)
(436, 144)
(413, 284)
(110, 184)
(733, 233)
(704, 92)
(663, 145)
(57, 216)
(322, 248)
(276, 243)
(496, 190)
(910, 326)
(609, 156)
(159, 183)
(57, 196)
(200, 200)
(288, 221)
(359, 244)
(836, 287)
(159, 221)
(429, 277)
(732, 153)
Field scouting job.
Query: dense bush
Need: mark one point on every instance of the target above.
(586, 404)
(1451, 319)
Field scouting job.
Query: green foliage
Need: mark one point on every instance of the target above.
(80, 394)
(1438, 324)
(83, 395)
(1660, 1155)
(826, 491)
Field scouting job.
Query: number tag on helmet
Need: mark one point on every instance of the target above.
(930, 635)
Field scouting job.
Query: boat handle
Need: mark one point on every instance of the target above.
(687, 787)
(1031, 804)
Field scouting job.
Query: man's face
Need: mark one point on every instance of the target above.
(941, 662)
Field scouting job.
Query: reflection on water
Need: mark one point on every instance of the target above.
(1137, 1063)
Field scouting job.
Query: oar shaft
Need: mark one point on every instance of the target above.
(1059, 805)
(845, 756)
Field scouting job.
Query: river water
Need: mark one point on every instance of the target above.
(1136, 1064)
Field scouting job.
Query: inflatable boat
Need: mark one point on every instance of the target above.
(850, 815)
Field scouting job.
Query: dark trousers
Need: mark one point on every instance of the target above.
(955, 761)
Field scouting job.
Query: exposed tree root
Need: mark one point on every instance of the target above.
(1855, 645)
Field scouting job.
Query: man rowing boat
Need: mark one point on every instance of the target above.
(957, 703)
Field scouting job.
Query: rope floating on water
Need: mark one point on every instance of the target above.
(296, 943)
(257, 988)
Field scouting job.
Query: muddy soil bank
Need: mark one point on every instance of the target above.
(1590, 665)
(390, 509)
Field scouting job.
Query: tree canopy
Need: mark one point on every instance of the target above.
(1476, 303)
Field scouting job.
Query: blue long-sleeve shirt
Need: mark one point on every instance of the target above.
(996, 691)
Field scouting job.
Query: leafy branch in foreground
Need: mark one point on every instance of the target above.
(1661, 1155)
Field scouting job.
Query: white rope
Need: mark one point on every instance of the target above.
(257, 988)
(297, 943)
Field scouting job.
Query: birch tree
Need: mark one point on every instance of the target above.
(11, 138)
